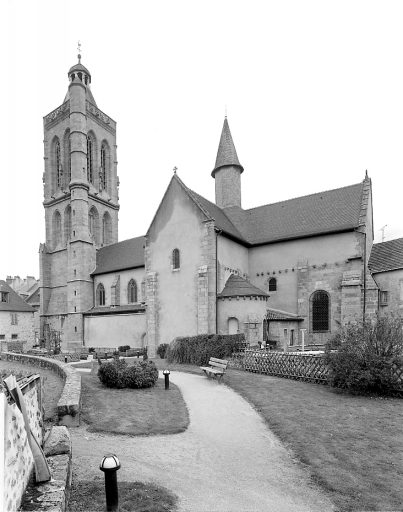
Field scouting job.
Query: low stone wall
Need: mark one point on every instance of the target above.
(68, 407)
(18, 459)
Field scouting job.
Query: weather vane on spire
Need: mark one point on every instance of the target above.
(79, 52)
(225, 110)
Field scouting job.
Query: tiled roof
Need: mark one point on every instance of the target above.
(116, 310)
(120, 256)
(34, 297)
(15, 302)
(236, 286)
(324, 212)
(226, 154)
(277, 314)
(386, 256)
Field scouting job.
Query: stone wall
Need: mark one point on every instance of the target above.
(68, 407)
(18, 459)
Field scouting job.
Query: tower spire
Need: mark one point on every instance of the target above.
(226, 154)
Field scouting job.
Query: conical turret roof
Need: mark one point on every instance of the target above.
(226, 154)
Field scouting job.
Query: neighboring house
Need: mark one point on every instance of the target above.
(24, 287)
(34, 301)
(202, 267)
(386, 267)
(16, 317)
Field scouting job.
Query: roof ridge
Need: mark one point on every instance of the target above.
(389, 241)
(298, 197)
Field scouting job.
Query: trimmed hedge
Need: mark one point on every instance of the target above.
(117, 374)
(198, 349)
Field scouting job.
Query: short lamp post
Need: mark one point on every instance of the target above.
(65, 359)
(110, 465)
(166, 374)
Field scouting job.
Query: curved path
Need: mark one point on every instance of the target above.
(226, 461)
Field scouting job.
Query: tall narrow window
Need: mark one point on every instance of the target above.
(100, 295)
(90, 157)
(106, 229)
(103, 170)
(292, 337)
(320, 311)
(69, 162)
(57, 228)
(272, 284)
(176, 263)
(67, 157)
(4, 296)
(67, 224)
(59, 168)
(132, 291)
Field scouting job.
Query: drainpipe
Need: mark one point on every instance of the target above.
(217, 232)
(365, 272)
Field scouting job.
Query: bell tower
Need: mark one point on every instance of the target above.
(81, 206)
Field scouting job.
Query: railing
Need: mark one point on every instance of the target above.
(57, 112)
(292, 366)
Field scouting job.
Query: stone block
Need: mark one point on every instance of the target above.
(58, 441)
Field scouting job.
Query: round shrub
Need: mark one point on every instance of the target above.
(143, 374)
(123, 348)
(118, 374)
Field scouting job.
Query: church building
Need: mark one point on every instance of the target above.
(274, 272)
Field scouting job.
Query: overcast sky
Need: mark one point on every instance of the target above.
(314, 94)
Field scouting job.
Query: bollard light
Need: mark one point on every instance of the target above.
(110, 465)
(65, 359)
(106, 356)
(166, 374)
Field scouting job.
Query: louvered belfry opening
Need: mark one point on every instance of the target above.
(320, 303)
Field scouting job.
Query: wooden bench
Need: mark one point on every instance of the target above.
(216, 369)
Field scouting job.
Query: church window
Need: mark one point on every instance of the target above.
(106, 229)
(4, 296)
(320, 311)
(67, 224)
(57, 228)
(272, 284)
(132, 291)
(100, 295)
(104, 168)
(93, 224)
(292, 337)
(90, 158)
(59, 168)
(176, 259)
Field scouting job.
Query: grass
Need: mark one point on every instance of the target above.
(135, 412)
(352, 445)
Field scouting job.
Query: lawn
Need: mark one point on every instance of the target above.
(135, 412)
(352, 446)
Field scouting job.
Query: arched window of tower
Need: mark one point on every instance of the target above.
(104, 169)
(67, 157)
(57, 229)
(132, 291)
(67, 224)
(93, 224)
(90, 159)
(106, 229)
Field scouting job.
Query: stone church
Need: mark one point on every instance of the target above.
(273, 272)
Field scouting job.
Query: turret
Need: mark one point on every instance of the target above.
(227, 171)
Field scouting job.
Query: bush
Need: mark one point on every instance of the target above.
(198, 349)
(118, 374)
(161, 350)
(123, 348)
(364, 356)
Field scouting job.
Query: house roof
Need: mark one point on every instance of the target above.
(120, 256)
(278, 314)
(15, 302)
(386, 256)
(34, 298)
(226, 154)
(236, 286)
(116, 310)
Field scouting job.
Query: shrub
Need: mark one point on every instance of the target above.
(123, 348)
(364, 356)
(91, 350)
(143, 374)
(198, 349)
(161, 350)
(118, 374)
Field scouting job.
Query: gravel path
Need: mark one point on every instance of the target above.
(226, 461)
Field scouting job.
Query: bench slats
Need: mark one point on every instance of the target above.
(222, 361)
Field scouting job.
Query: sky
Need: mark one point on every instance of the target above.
(313, 92)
